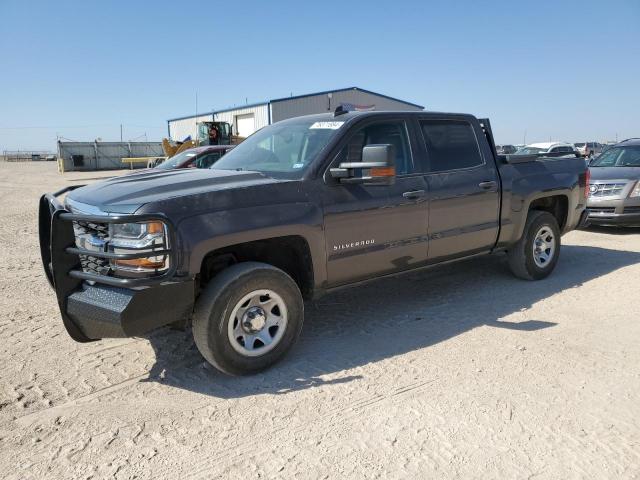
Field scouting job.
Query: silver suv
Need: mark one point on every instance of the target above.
(614, 191)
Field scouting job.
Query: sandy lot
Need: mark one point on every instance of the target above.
(462, 371)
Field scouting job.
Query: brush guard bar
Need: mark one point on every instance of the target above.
(61, 256)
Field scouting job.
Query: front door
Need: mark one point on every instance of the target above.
(371, 230)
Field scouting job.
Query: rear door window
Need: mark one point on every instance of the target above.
(450, 144)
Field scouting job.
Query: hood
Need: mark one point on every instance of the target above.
(615, 173)
(128, 193)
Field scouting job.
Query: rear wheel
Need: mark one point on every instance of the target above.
(248, 317)
(535, 255)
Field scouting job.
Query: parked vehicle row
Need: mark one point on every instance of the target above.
(300, 208)
(549, 149)
(555, 149)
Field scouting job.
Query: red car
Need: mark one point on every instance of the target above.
(199, 157)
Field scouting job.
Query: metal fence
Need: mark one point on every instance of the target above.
(84, 156)
(27, 155)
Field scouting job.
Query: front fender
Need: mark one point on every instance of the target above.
(206, 232)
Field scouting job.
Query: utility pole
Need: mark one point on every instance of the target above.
(120, 133)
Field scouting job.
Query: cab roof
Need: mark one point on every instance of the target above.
(351, 115)
(209, 148)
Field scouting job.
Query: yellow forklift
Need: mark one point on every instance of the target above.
(209, 133)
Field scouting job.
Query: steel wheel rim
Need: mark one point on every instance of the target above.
(544, 246)
(257, 323)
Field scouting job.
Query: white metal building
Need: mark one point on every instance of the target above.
(247, 119)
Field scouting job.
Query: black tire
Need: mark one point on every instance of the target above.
(215, 305)
(521, 256)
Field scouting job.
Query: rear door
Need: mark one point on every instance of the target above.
(372, 230)
(463, 186)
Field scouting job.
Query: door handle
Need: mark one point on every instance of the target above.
(487, 185)
(414, 194)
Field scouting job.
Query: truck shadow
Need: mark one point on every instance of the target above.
(389, 317)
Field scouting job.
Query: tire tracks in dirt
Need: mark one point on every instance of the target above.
(325, 422)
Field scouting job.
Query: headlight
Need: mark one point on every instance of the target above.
(137, 238)
(636, 190)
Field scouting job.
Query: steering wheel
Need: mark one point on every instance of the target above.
(262, 155)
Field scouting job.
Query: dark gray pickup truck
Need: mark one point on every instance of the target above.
(301, 207)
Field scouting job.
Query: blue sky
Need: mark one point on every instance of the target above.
(560, 70)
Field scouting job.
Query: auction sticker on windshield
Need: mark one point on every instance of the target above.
(327, 125)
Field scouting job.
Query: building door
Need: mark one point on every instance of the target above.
(245, 124)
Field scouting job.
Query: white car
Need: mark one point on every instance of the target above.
(550, 149)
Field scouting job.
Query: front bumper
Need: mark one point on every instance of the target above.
(101, 311)
(99, 306)
(599, 217)
(614, 211)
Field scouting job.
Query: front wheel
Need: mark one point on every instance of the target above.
(535, 255)
(248, 317)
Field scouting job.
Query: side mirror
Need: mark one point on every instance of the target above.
(377, 167)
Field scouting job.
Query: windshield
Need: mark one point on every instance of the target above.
(578, 145)
(285, 149)
(619, 157)
(176, 160)
(531, 150)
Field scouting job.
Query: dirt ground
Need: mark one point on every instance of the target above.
(461, 371)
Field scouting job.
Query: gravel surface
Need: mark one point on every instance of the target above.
(457, 372)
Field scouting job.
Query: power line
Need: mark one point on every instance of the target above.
(53, 127)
